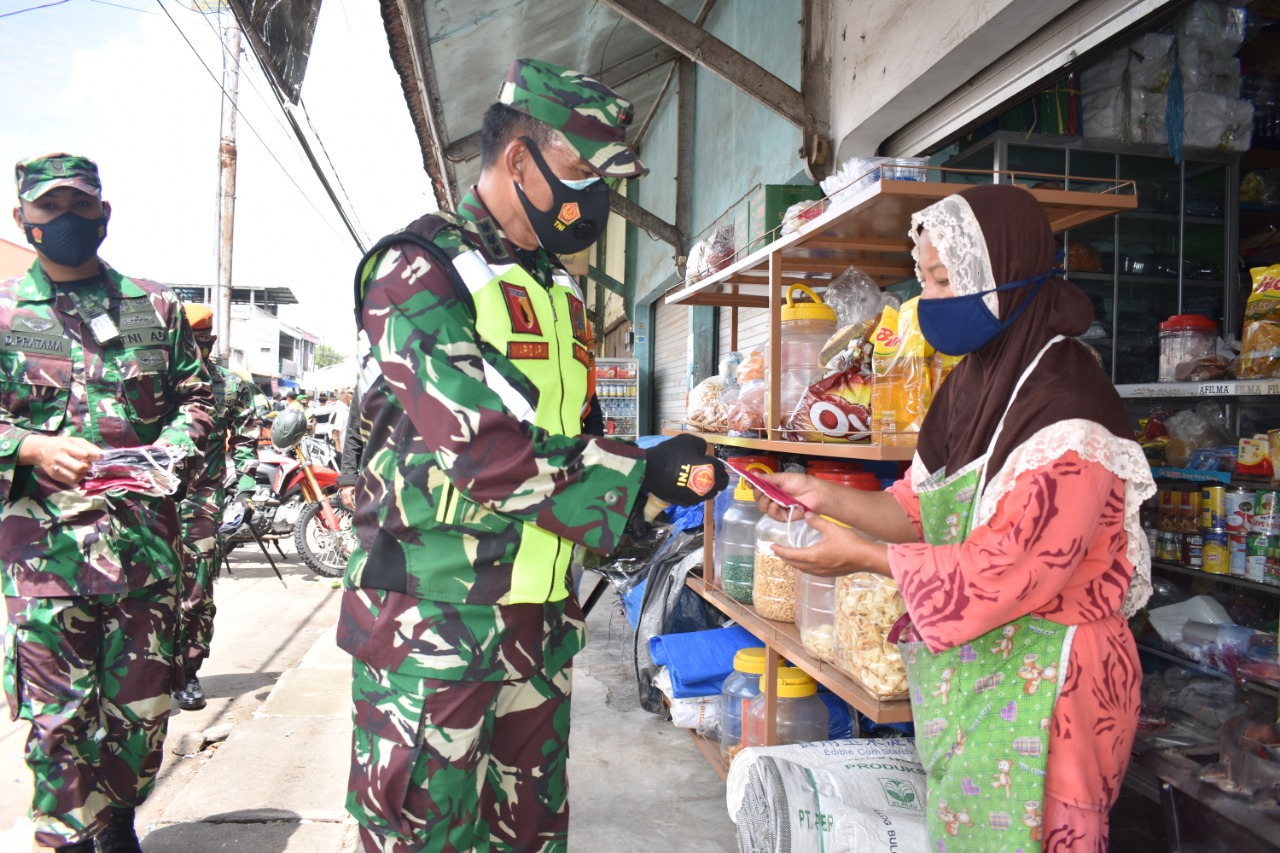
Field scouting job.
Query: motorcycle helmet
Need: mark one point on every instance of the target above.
(288, 429)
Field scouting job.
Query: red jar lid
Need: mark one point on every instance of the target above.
(862, 480)
(813, 466)
(1189, 323)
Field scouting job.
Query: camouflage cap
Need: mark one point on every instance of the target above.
(37, 175)
(587, 114)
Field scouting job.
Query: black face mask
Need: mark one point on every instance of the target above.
(577, 216)
(69, 240)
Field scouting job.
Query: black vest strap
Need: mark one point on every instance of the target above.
(437, 254)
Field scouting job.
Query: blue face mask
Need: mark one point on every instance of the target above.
(959, 325)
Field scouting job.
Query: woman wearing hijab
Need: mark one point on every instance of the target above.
(1015, 540)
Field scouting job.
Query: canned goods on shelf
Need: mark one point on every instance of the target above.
(1255, 561)
(1266, 513)
(1240, 506)
(1237, 551)
(1213, 508)
(1193, 549)
(1214, 557)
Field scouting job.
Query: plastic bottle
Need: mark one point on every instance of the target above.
(806, 326)
(737, 565)
(902, 381)
(774, 582)
(801, 716)
(742, 685)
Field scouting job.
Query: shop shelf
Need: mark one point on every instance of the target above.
(868, 230)
(1190, 475)
(804, 448)
(1263, 687)
(1220, 388)
(1269, 589)
(784, 638)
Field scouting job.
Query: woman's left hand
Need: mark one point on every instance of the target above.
(841, 552)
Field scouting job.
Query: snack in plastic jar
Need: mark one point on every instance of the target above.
(837, 408)
(1260, 347)
(867, 606)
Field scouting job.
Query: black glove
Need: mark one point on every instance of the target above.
(680, 472)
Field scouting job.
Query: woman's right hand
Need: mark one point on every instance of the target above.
(807, 490)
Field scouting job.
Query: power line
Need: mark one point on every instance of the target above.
(122, 6)
(254, 130)
(33, 8)
(316, 133)
(334, 168)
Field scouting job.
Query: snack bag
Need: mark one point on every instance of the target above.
(837, 408)
(1260, 346)
(902, 384)
(708, 406)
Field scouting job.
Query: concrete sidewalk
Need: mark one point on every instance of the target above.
(279, 781)
(277, 784)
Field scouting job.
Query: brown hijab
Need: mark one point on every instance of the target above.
(1068, 382)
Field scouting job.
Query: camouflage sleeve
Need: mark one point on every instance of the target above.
(441, 373)
(11, 435)
(191, 421)
(243, 438)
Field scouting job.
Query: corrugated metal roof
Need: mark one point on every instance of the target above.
(455, 54)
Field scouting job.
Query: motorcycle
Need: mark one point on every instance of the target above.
(296, 496)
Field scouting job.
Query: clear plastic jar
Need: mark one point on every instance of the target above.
(774, 585)
(737, 566)
(816, 615)
(742, 685)
(867, 607)
(801, 716)
(806, 326)
(1185, 338)
(739, 492)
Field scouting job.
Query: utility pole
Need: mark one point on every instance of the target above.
(227, 186)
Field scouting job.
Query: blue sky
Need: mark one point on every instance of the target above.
(122, 86)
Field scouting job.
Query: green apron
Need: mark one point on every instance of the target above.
(982, 709)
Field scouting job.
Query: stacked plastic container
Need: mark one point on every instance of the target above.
(801, 716)
(742, 685)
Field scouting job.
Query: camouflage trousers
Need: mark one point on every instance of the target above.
(459, 766)
(93, 676)
(200, 519)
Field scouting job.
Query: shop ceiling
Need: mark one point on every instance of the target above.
(452, 55)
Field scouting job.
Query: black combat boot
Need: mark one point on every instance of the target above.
(119, 836)
(191, 697)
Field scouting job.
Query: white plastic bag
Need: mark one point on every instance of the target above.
(1168, 620)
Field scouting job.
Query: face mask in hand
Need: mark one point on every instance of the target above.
(959, 325)
(69, 240)
(579, 209)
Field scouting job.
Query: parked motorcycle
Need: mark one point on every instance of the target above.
(297, 497)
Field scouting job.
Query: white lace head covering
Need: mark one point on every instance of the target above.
(954, 231)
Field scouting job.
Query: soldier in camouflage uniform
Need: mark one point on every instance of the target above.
(90, 359)
(234, 434)
(477, 483)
